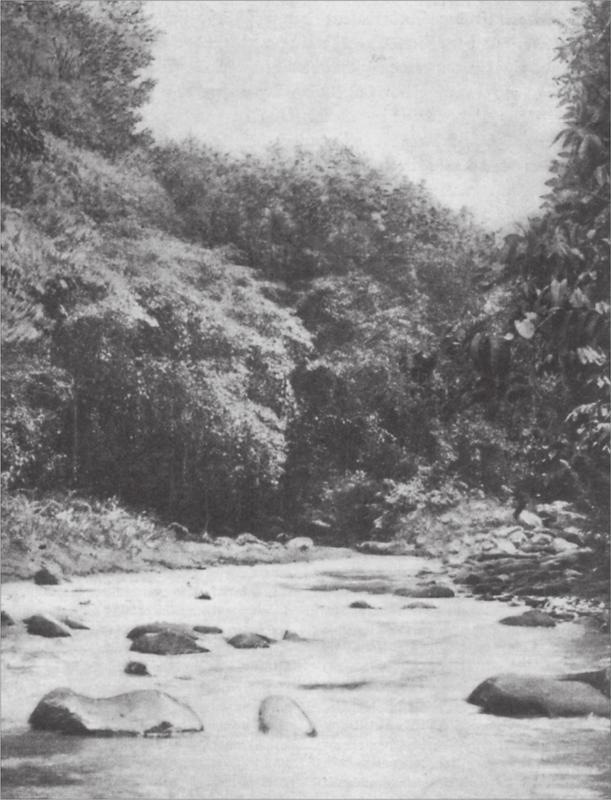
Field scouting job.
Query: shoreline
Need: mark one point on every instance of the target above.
(484, 550)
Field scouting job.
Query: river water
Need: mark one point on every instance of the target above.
(385, 688)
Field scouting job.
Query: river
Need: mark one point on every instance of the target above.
(385, 688)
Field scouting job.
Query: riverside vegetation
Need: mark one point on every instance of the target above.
(297, 344)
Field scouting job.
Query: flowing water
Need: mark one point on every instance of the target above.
(385, 688)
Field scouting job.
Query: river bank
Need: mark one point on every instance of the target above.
(74, 537)
(547, 558)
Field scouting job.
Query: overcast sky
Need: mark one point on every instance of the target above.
(459, 93)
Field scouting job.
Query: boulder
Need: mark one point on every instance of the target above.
(249, 641)
(529, 519)
(530, 619)
(75, 624)
(248, 538)
(140, 713)
(224, 541)
(560, 545)
(282, 716)
(301, 543)
(45, 577)
(6, 619)
(433, 590)
(203, 596)
(418, 604)
(160, 627)
(43, 625)
(360, 604)
(598, 679)
(384, 548)
(166, 643)
(207, 629)
(532, 695)
(136, 668)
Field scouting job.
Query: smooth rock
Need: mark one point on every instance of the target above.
(560, 545)
(160, 627)
(136, 668)
(530, 619)
(302, 543)
(207, 629)
(506, 546)
(166, 643)
(282, 716)
(43, 625)
(203, 596)
(360, 604)
(531, 695)
(249, 641)
(529, 519)
(45, 577)
(145, 713)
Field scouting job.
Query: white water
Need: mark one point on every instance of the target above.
(406, 733)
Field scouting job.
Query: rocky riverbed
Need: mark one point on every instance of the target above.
(384, 688)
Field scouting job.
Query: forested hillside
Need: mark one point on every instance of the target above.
(255, 343)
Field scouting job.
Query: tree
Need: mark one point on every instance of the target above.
(80, 66)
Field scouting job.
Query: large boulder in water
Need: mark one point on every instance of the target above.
(249, 641)
(141, 713)
(166, 643)
(531, 695)
(160, 627)
(43, 625)
(530, 619)
(44, 577)
(282, 716)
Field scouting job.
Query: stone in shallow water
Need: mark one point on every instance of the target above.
(166, 643)
(203, 596)
(136, 668)
(282, 716)
(249, 641)
(43, 625)
(44, 577)
(145, 713)
(160, 627)
(419, 604)
(530, 695)
(530, 619)
(207, 629)
(360, 604)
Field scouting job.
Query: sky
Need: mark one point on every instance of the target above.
(458, 93)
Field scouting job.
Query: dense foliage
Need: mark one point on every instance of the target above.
(290, 339)
(557, 272)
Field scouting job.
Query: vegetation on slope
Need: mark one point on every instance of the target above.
(242, 343)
